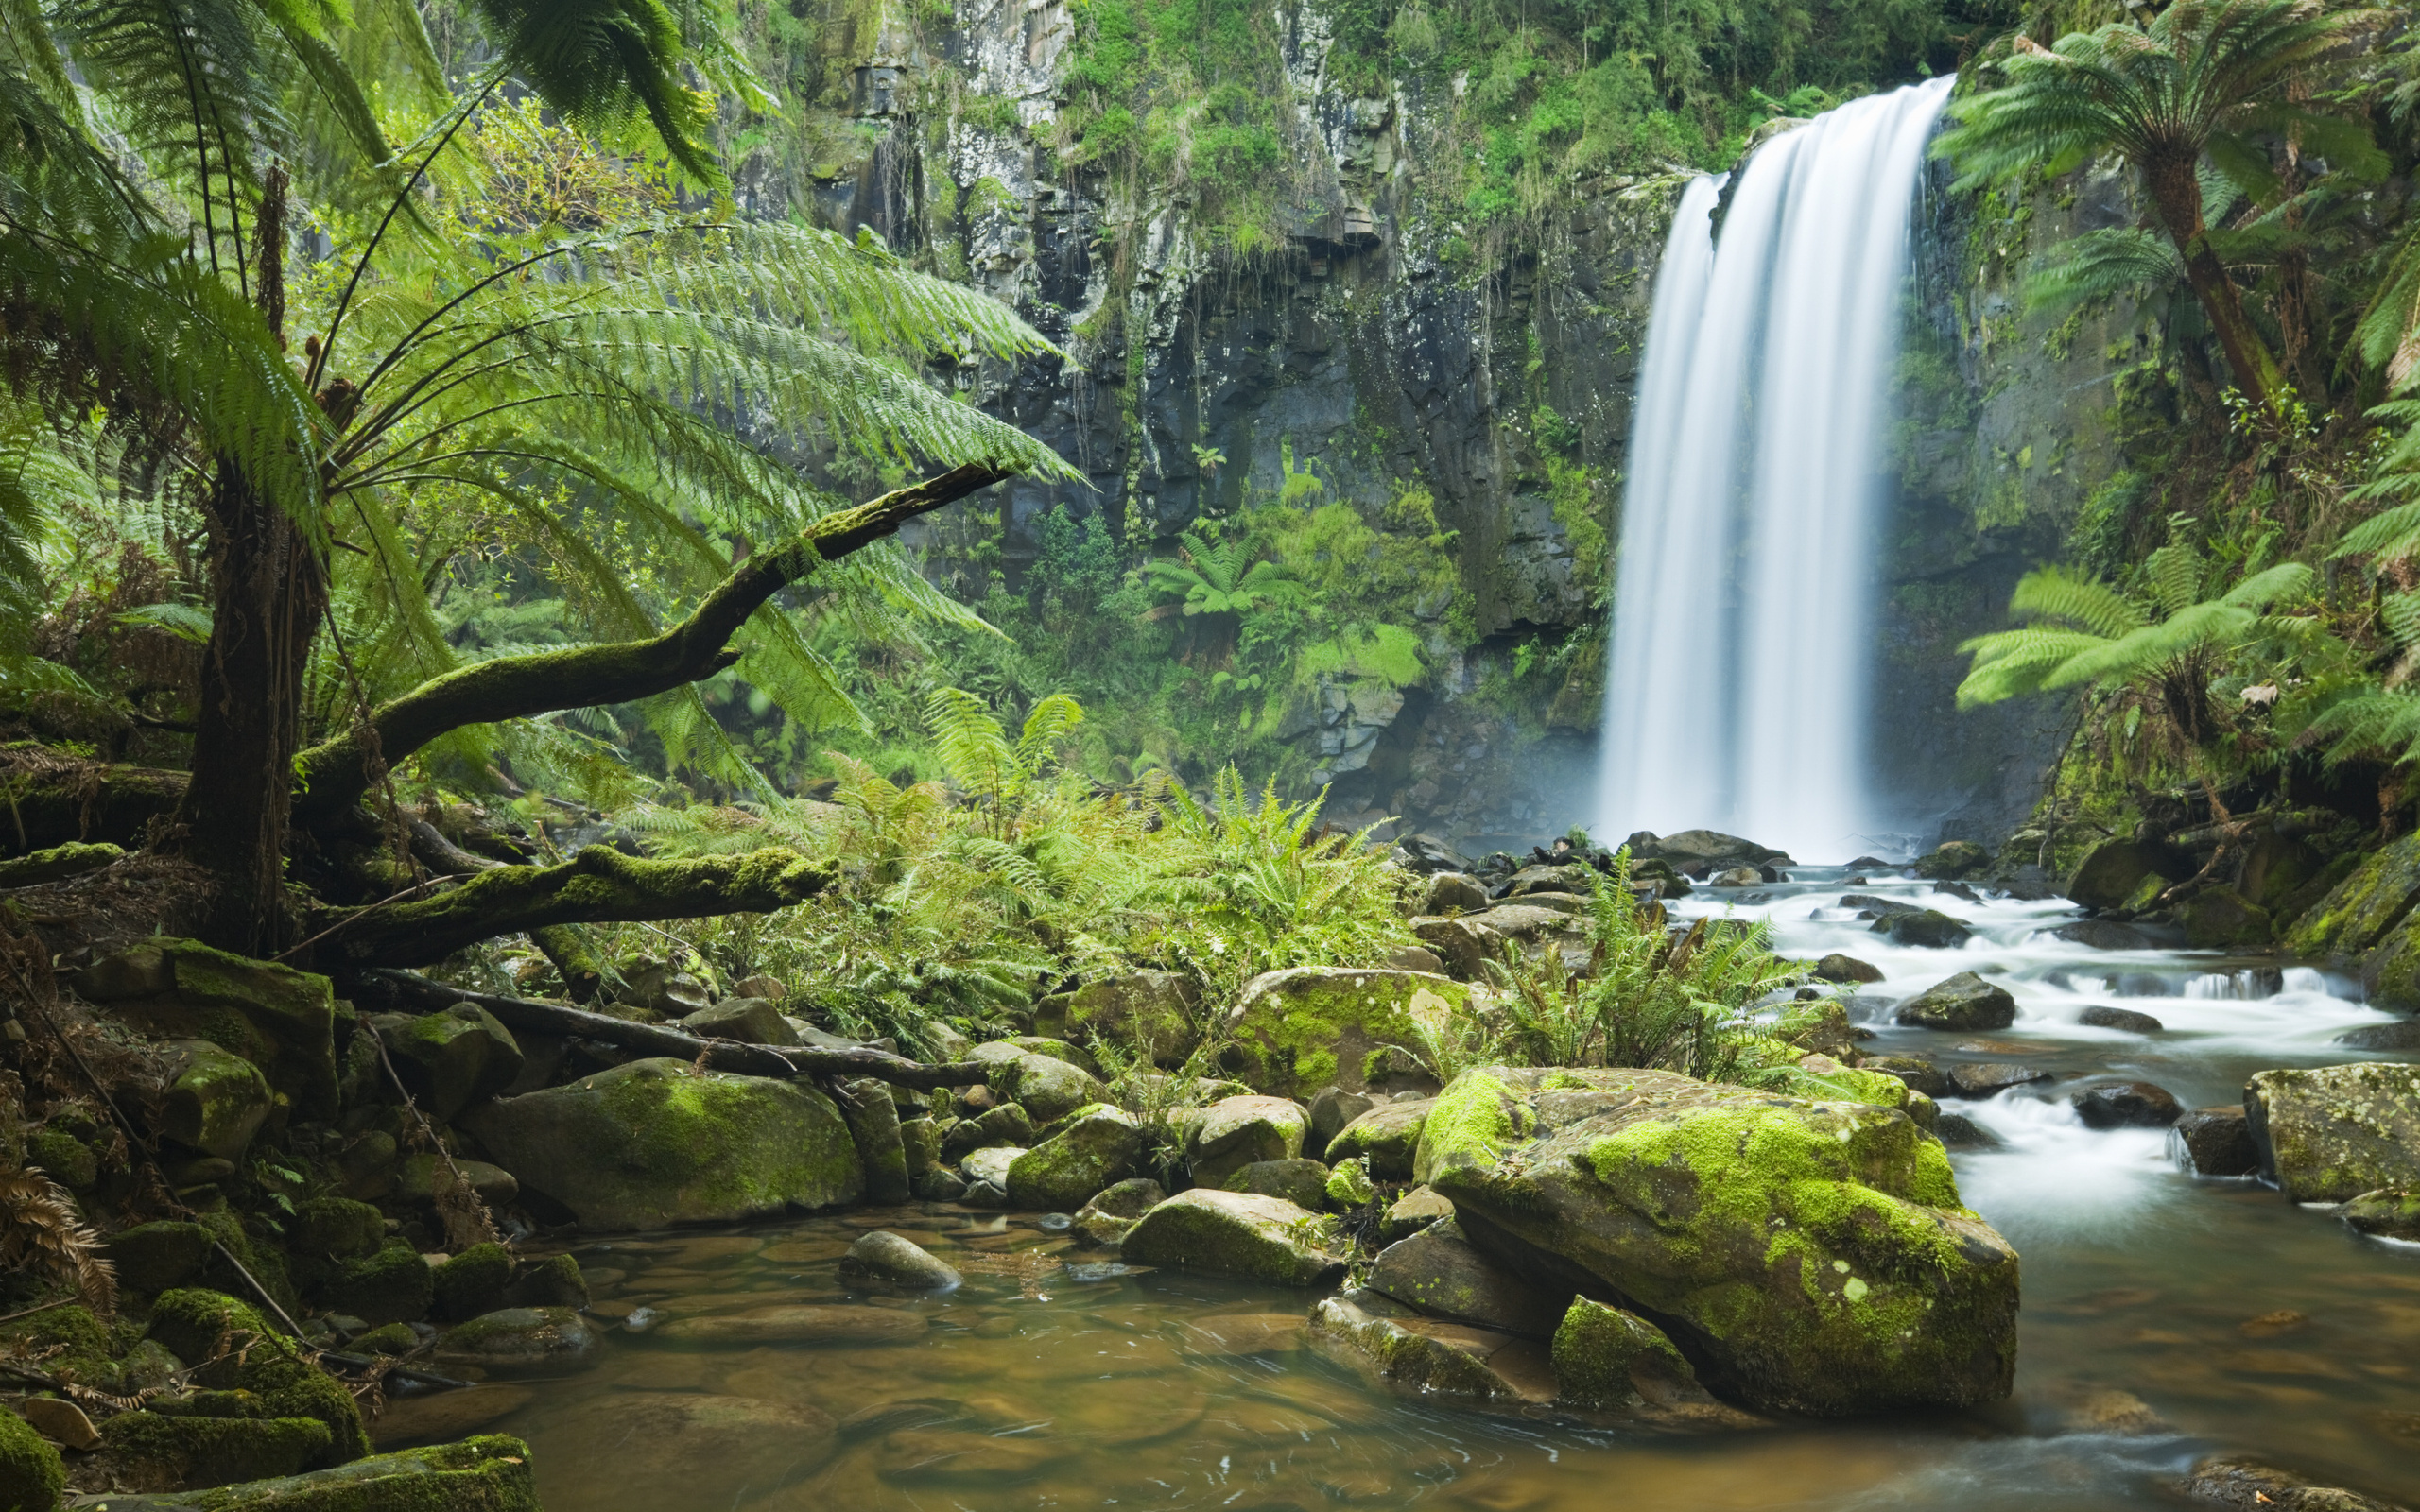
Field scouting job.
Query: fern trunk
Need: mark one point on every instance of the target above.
(2177, 196)
(233, 820)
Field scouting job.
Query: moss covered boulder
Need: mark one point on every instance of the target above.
(216, 1101)
(155, 1257)
(2334, 1133)
(1440, 1273)
(1099, 1147)
(1151, 1012)
(1296, 1031)
(1606, 1358)
(232, 1349)
(156, 1451)
(873, 1116)
(394, 1285)
(2110, 872)
(1393, 1347)
(1386, 1138)
(489, 1473)
(2222, 919)
(2358, 912)
(30, 1473)
(1047, 1087)
(1241, 1234)
(471, 1282)
(1966, 1003)
(1811, 1255)
(2391, 970)
(1235, 1132)
(451, 1058)
(521, 1341)
(2391, 1212)
(1114, 1210)
(651, 1143)
(279, 1019)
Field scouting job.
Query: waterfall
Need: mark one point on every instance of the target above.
(1738, 694)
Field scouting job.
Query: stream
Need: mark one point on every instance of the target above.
(2164, 1317)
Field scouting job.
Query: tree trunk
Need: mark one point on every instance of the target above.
(2177, 195)
(233, 820)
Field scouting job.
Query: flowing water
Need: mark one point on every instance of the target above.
(2236, 1321)
(1743, 612)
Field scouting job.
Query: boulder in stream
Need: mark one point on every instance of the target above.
(2103, 934)
(2127, 1105)
(1240, 1234)
(1386, 1137)
(1395, 1347)
(1838, 968)
(521, 1341)
(2112, 871)
(1440, 1273)
(1235, 1132)
(1952, 859)
(1098, 1146)
(1113, 1211)
(1964, 1001)
(1606, 1358)
(2235, 1481)
(1926, 927)
(2100, 1016)
(1812, 1257)
(653, 1143)
(2393, 1212)
(1989, 1078)
(2404, 1034)
(885, 1258)
(2222, 919)
(2333, 1133)
(2214, 1142)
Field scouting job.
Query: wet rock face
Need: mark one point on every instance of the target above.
(1964, 1001)
(2332, 1134)
(2128, 1105)
(1240, 1234)
(2215, 1141)
(1813, 1256)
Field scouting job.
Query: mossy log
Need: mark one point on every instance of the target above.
(337, 774)
(597, 885)
(53, 800)
(579, 966)
(418, 995)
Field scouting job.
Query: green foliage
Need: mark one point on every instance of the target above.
(1647, 998)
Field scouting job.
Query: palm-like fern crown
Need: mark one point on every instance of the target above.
(1224, 578)
(562, 392)
(2197, 77)
(2087, 632)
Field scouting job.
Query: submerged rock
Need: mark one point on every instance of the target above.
(2331, 1134)
(1304, 1028)
(2100, 1016)
(1391, 1348)
(1989, 1078)
(1239, 1234)
(797, 1325)
(886, 1258)
(1963, 1002)
(1813, 1255)
(2103, 934)
(651, 1143)
(522, 1341)
(2230, 1481)
(680, 1449)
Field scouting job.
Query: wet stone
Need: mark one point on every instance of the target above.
(2391, 1213)
(1919, 1073)
(2403, 1035)
(2100, 1016)
(884, 1259)
(1959, 1132)
(1986, 1078)
(1964, 1001)
(2103, 934)
(2127, 1105)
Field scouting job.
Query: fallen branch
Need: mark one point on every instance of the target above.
(334, 775)
(417, 994)
(598, 885)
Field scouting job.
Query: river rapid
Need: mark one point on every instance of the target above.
(2164, 1317)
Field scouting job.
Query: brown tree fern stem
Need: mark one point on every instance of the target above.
(597, 885)
(2177, 195)
(337, 774)
(236, 810)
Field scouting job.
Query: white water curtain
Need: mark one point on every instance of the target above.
(1738, 688)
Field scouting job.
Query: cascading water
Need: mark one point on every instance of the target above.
(1742, 650)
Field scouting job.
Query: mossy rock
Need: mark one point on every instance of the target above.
(1300, 1182)
(866, 1105)
(57, 864)
(555, 1281)
(1952, 860)
(70, 1342)
(450, 1060)
(337, 1228)
(216, 1100)
(1441, 1274)
(63, 1157)
(1047, 1087)
(282, 1020)
(2112, 871)
(489, 1473)
(1396, 1349)
(31, 1476)
(265, 1262)
(1235, 1132)
(1153, 1013)
(1821, 1025)
(392, 1286)
(1298, 1030)
(2390, 1213)
(2358, 912)
(1099, 1147)
(153, 1452)
(2336, 1132)
(2391, 971)
(155, 1257)
(521, 1341)
(1239, 1234)
(471, 1282)
(1605, 1357)
(389, 1338)
(229, 1348)
(1386, 1137)
(1813, 1256)
(2222, 919)
(648, 1145)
